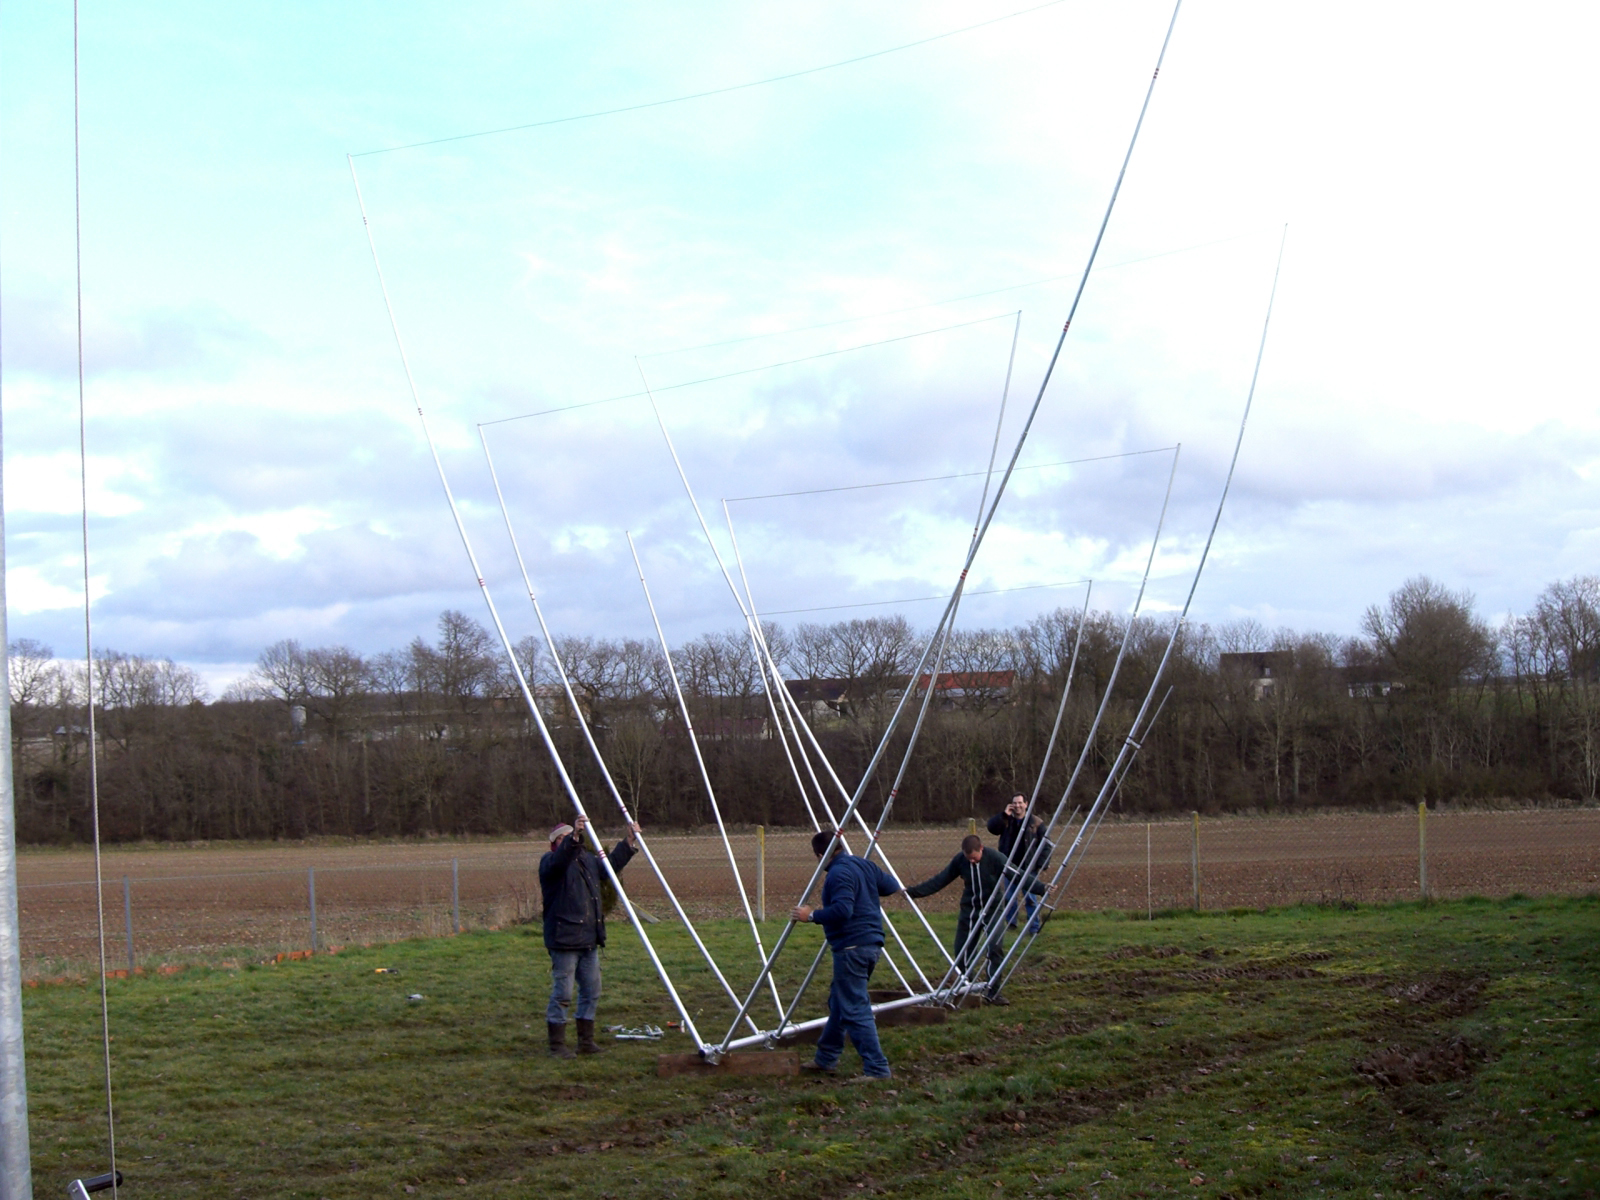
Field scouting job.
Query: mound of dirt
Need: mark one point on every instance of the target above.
(1396, 1066)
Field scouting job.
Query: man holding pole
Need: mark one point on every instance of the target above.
(852, 918)
(575, 928)
(982, 874)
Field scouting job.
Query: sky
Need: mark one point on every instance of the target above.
(820, 278)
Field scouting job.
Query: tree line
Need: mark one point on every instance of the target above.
(1430, 702)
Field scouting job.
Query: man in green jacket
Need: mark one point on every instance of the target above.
(982, 874)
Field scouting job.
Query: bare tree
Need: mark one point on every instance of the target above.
(282, 672)
(1430, 637)
(1569, 613)
(30, 667)
(1562, 636)
(337, 682)
(464, 668)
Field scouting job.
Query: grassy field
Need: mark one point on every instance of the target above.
(1443, 1050)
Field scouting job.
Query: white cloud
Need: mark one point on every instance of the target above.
(51, 484)
(1426, 401)
(29, 591)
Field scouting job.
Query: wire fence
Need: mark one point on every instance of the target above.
(166, 906)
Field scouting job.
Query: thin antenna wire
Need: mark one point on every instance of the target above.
(500, 629)
(588, 733)
(1026, 587)
(88, 629)
(862, 487)
(894, 719)
(721, 91)
(787, 362)
(895, 312)
(999, 422)
(976, 935)
(1130, 744)
(700, 762)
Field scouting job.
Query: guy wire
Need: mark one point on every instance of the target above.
(88, 629)
(862, 487)
(1026, 587)
(1122, 760)
(556, 760)
(1044, 383)
(720, 91)
(788, 362)
(895, 312)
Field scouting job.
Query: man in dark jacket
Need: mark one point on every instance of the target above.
(982, 873)
(852, 919)
(575, 928)
(1018, 845)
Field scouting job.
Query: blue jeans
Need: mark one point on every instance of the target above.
(850, 1011)
(1011, 910)
(564, 964)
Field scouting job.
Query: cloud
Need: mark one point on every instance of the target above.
(257, 470)
(41, 339)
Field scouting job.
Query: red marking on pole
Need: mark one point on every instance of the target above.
(1066, 327)
(480, 580)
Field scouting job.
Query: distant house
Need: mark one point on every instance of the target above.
(1261, 668)
(722, 729)
(820, 698)
(991, 686)
(1367, 683)
(965, 689)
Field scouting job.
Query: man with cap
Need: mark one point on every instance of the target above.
(575, 928)
(852, 919)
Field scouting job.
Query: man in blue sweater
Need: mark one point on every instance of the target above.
(852, 919)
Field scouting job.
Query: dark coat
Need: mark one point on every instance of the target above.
(980, 880)
(1017, 843)
(851, 914)
(569, 878)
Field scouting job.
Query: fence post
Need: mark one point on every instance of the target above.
(1149, 907)
(311, 890)
(761, 872)
(127, 920)
(1194, 859)
(1422, 847)
(455, 894)
(972, 825)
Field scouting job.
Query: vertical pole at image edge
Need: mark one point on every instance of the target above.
(16, 1170)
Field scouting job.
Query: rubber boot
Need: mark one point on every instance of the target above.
(586, 1042)
(558, 1040)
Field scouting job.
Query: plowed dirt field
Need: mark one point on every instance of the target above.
(190, 903)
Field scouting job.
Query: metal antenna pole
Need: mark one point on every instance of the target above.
(974, 935)
(753, 621)
(700, 762)
(16, 1170)
(505, 640)
(88, 629)
(1132, 744)
(588, 734)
